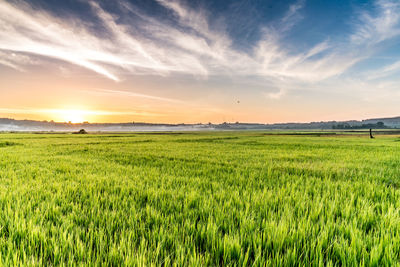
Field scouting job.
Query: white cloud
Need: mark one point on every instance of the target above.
(379, 26)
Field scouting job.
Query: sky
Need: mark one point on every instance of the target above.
(177, 61)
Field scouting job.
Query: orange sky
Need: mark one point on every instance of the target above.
(51, 96)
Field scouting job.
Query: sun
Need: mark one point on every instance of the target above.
(74, 116)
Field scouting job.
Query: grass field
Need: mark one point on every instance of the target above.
(199, 199)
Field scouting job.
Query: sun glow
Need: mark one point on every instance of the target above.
(73, 116)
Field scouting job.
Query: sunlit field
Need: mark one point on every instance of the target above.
(199, 199)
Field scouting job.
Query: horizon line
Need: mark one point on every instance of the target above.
(196, 123)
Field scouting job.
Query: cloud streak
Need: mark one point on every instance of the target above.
(133, 94)
(374, 28)
(82, 112)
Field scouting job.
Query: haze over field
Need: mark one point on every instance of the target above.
(199, 61)
(11, 125)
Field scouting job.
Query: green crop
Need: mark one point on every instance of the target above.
(242, 199)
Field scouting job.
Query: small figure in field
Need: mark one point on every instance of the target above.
(370, 133)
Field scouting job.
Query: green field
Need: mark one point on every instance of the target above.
(199, 199)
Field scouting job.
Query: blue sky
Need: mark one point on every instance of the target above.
(192, 61)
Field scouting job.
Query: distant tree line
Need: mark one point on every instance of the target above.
(378, 125)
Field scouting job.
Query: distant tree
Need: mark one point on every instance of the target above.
(81, 131)
(380, 124)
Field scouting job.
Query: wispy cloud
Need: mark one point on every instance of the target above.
(23, 30)
(383, 72)
(133, 94)
(381, 25)
(161, 49)
(190, 46)
(292, 16)
(14, 60)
